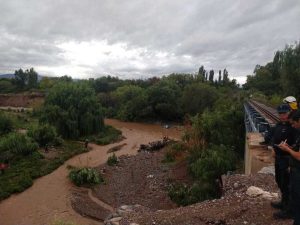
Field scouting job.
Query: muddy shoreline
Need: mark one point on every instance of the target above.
(49, 197)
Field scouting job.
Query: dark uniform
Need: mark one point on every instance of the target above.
(282, 131)
(295, 183)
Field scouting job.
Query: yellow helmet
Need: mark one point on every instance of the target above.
(291, 100)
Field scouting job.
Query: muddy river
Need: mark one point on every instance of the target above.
(49, 197)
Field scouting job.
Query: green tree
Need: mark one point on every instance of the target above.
(32, 78)
(21, 79)
(201, 73)
(290, 72)
(262, 81)
(73, 109)
(211, 75)
(198, 97)
(225, 76)
(44, 134)
(164, 99)
(131, 103)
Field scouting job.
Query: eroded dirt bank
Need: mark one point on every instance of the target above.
(49, 197)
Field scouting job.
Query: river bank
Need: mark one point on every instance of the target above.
(49, 197)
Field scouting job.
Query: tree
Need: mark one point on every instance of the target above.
(27, 79)
(283, 73)
(65, 78)
(198, 97)
(73, 109)
(225, 76)
(164, 100)
(44, 134)
(220, 76)
(211, 75)
(201, 73)
(21, 79)
(131, 103)
(290, 71)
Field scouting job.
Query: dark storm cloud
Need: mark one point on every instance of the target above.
(218, 34)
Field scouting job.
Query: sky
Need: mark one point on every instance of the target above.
(141, 38)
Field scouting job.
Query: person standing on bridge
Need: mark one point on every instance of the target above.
(294, 169)
(283, 132)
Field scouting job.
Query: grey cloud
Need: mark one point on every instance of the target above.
(233, 34)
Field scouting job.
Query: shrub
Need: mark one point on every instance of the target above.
(85, 176)
(107, 136)
(6, 124)
(18, 144)
(183, 194)
(112, 160)
(173, 151)
(213, 162)
(169, 156)
(44, 134)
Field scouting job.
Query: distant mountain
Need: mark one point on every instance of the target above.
(11, 76)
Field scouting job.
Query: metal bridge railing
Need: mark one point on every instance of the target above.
(254, 122)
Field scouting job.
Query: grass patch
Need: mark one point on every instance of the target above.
(23, 170)
(21, 120)
(85, 176)
(62, 222)
(105, 137)
(112, 160)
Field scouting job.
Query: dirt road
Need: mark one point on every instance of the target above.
(49, 197)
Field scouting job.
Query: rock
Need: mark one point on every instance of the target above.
(116, 219)
(236, 185)
(268, 170)
(258, 192)
(124, 207)
(115, 223)
(115, 215)
(109, 217)
(133, 224)
(121, 212)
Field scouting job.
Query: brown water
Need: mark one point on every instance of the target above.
(49, 197)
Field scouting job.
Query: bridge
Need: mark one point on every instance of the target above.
(259, 118)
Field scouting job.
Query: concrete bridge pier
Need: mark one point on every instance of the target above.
(256, 156)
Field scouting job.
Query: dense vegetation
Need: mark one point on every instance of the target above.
(71, 110)
(214, 143)
(75, 110)
(210, 106)
(23, 169)
(281, 77)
